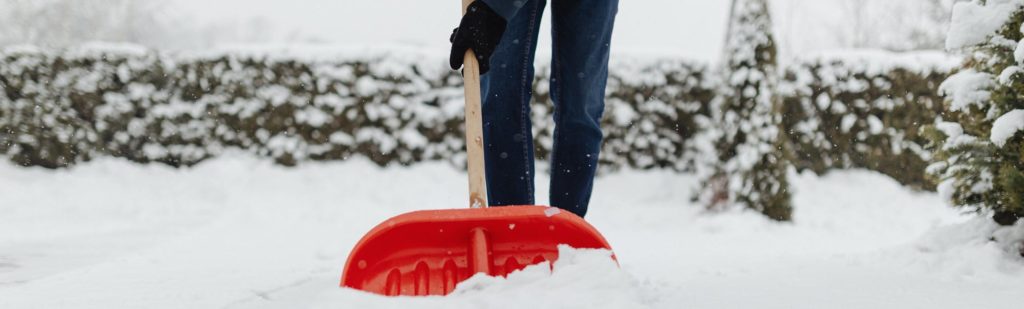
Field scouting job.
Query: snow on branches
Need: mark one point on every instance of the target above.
(979, 144)
(394, 107)
(864, 109)
(60, 107)
(745, 165)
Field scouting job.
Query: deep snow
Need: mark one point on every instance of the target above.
(237, 232)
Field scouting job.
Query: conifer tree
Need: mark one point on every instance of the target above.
(978, 145)
(748, 168)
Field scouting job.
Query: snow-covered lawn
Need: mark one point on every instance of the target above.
(238, 232)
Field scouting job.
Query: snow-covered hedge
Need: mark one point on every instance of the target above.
(401, 107)
(651, 113)
(864, 109)
(59, 108)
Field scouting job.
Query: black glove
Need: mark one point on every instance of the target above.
(480, 30)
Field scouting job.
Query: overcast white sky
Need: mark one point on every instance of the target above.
(691, 29)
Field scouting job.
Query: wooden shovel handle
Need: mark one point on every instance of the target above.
(474, 127)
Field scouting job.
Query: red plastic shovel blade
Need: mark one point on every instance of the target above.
(429, 252)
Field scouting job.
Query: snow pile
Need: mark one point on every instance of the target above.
(976, 21)
(977, 250)
(571, 266)
(572, 282)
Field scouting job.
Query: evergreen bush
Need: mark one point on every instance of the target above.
(979, 142)
(748, 166)
(59, 108)
(864, 109)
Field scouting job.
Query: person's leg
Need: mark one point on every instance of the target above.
(581, 33)
(506, 90)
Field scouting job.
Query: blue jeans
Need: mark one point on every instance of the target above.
(581, 35)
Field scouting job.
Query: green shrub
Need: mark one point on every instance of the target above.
(59, 108)
(978, 145)
(744, 163)
(864, 110)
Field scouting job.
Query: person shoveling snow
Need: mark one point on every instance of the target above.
(503, 33)
(430, 252)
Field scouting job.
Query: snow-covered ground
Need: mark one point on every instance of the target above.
(237, 232)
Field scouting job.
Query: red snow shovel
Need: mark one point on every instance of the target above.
(429, 252)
